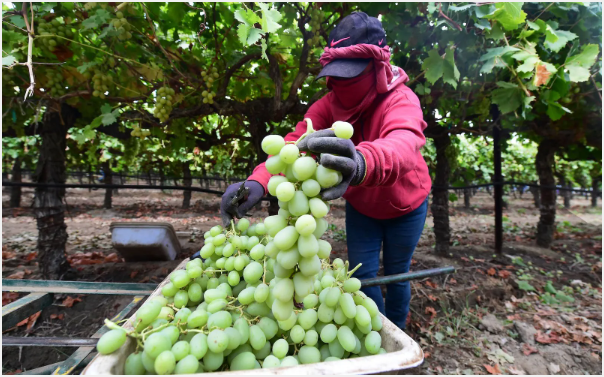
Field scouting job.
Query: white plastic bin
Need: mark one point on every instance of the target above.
(145, 241)
(403, 353)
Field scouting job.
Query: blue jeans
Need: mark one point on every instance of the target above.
(400, 235)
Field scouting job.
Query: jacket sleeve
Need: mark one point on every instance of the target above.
(401, 137)
(319, 114)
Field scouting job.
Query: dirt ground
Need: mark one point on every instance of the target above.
(492, 316)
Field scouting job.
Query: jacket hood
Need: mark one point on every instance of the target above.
(388, 76)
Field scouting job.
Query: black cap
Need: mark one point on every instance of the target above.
(356, 28)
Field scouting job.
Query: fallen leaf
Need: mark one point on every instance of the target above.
(113, 258)
(133, 274)
(547, 338)
(492, 369)
(528, 349)
(31, 256)
(31, 321)
(8, 255)
(491, 271)
(553, 368)
(452, 281)
(69, 301)
(432, 298)
(8, 297)
(431, 284)
(504, 274)
(427, 355)
(430, 310)
(16, 275)
(27, 272)
(57, 316)
(516, 371)
(500, 357)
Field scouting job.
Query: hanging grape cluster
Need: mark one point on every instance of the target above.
(265, 295)
(51, 29)
(54, 83)
(120, 23)
(163, 103)
(209, 76)
(316, 17)
(139, 132)
(100, 83)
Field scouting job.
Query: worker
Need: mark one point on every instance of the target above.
(385, 178)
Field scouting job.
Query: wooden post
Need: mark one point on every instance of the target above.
(498, 189)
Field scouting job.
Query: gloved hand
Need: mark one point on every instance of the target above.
(256, 193)
(337, 154)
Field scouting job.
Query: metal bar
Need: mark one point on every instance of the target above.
(399, 278)
(78, 287)
(24, 307)
(48, 369)
(8, 341)
(72, 362)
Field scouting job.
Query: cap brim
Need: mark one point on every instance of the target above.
(344, 68)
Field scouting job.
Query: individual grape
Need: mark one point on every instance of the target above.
(286, 238)
(221, 319)
(181, 299)
(234, 278)
(325, 313)
(158, 322)
(311, 338)
(217, 305)
(261, 293)
(311, 301)
(285, 191)
(180, 279)
(188, 365)
(234, 338)
(165, 363)
(288, 258)
(298, 205)
(257, 252)
(303, 285)
(376, 323)
(343, 130)
(246, 296)
(243, 224)
(243, 328)
(240, 262)
(310, 266)
(306, 225)
(171, 333)
(333, 297)
(297, 334)
(324, 249)
(219, 240)
(310, 187)
(289, 361)
(318, 208)
(336, 349)
(217, 341)
(272, 144)
(253, 272)
(243, 361)
(280, 348)
(352, 285)
(329, 333)
(269, 327)
(213, 361)
(111, 341)
(307, 245)
(362, 317)
(307, 318)
(282, 310)
(134, 364)
(260, 229)
(157, 343)
(304, 168)
(257, 337)
(326, 177)
(347, 304)
(346, 338)
(148, 312)
(289, 153)
(197, 319)
(284, 290)
(148, 363)
(274, 165)
(207, 250)
(373, 342)
(274, 224)
(321, 227)
(371, 306)
(194, 272)
(288, 323)
(169, 290)
(228, 250)
(271, 361)
(283, 213)
(180, 350)
(309, 355)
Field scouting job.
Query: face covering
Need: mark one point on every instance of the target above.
(352, 96)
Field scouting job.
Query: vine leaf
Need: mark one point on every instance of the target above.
(437, 66)
(99, 18)
(108, 117)
(578, 65)
(555, 40)
(8, 60)
(509, 15)
(270, 18)
(508, 97)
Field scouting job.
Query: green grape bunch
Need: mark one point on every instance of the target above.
(55, 84)
(209, 77)
(138, 132)
(164, 103)
(262, 295)
(51, 30)
(100, 83)
(316, 17)
(121, 25)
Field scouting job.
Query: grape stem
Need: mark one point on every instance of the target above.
(309, 130)
(354, 269)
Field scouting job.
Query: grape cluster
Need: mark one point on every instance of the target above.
(138, 132)
(54, 83)
(265, 294)
(316, 17)
(53, 28)
(120, 23)
(163, 104)
(209, 77)
(100, 83)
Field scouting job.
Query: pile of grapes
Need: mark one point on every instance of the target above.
(209, 76)
(54, 83)
(316, 17)
(120, 23)
(163, 103)
(265, 295)
(100, 83)
(53, 28)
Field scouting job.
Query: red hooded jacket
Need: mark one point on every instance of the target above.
(389, 134)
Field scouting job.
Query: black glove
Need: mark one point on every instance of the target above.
(256, 193)
(337, 154)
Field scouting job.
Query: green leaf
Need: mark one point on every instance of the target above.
(247, 17)
(254, 36)
(578, 65)
(263, 44)
(529, 64)
(533, 25)
(85, 66)
(450, 73)
(460, 8)
(496, 33)
(437, 67)
(8, 60)
(483, 24)
(270, 18)
(508, 97)
(99, 18)
(18, 21)
(509, 15)
(577, 74)
(555, 111)
(524, 285)
(108, 117)
(555, 40)
(243, 31)
(432, 7)
(497, 52)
